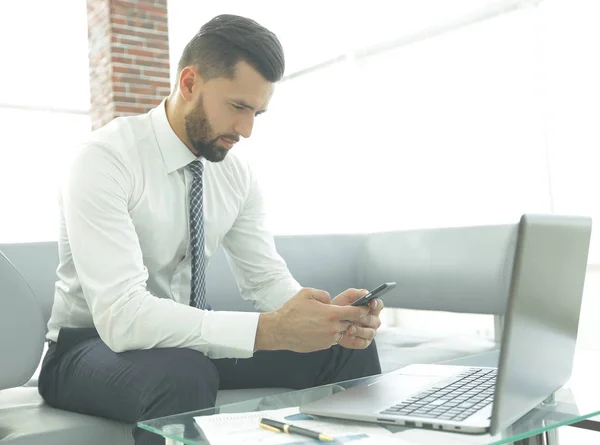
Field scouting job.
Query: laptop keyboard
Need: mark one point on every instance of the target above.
(455, 399)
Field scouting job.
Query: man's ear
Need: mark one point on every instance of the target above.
(189, 80)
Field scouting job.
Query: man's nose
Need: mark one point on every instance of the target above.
(244, 126)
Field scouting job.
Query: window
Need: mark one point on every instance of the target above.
(35, 147)
(44, 101)
(405, 114)
(397, 115)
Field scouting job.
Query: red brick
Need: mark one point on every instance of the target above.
(122, 30)
(127, 69)
(161, 84)
(156, 18)
(129, 57)
(160, 45)
(162, 27)
(154, 63)
(129, 60)
(129, 41)
(152, 35)
(141, 89)
(131, 109)
(154, 73)
(124, 98)
(141, 52)
(150, 8)
(124, 79)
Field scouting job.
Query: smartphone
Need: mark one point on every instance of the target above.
(375, 293)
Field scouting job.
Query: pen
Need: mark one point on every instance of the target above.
(277, 427)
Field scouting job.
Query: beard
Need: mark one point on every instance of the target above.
(201, 135)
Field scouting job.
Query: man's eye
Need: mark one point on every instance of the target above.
(237, 107)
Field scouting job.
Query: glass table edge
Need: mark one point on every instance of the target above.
(537, 431)
(502, 441)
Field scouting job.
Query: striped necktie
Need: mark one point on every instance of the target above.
(198, 290)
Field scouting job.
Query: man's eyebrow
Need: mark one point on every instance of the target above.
(245, 105)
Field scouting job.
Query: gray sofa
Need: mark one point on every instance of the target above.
(452, 269)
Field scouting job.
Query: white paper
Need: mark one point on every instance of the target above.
(236, 428)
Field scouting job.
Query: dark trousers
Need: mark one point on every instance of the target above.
(80, 373)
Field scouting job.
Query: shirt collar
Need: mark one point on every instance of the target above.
(174, 152)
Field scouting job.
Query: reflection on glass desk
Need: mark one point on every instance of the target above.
(578, 400)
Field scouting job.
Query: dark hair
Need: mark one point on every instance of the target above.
(225, 40)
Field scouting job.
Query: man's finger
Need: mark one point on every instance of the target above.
(349, 296)
(344, 325)
(362, 332)
(320, 295)
(376, 306)
(350, 313)
(370, 321)
(351, 342)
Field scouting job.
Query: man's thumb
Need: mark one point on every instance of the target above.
(321, 295)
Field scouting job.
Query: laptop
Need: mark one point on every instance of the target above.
(536, 355)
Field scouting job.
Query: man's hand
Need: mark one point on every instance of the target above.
(360, 334)
(307, 322)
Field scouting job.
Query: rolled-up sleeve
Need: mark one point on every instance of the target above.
(108, 258)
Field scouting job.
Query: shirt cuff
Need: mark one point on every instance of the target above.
(230, 334)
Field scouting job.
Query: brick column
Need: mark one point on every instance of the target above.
(129, 57)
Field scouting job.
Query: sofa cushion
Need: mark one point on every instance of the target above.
(400, 347)
(26, 419)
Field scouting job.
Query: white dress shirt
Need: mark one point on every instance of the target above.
(125, 262)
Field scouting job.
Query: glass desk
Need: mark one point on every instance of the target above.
(578, 400)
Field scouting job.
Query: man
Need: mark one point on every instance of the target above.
(147, 201)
